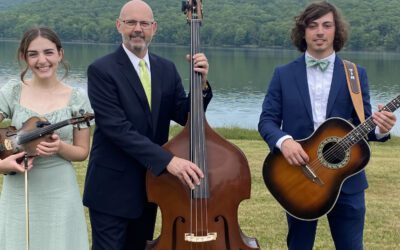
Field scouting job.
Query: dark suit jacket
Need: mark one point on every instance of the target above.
(287, 108)
(127, 138)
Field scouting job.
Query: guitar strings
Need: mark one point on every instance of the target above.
(352, 137)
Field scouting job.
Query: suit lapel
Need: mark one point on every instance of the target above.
(302, 84)
(133, 81)
(338, 79)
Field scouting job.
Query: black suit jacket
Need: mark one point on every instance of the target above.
(127, 138)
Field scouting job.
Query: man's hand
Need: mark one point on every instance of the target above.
(385, 120)
(294, 152)
(200, 63)
(186, 171)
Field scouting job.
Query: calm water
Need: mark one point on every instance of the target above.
(239, 77)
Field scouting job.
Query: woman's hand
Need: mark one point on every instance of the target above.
(15, 163)
(51, 147)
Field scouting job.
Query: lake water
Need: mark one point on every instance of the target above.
(239, 77)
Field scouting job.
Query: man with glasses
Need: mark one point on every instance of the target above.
(135, 94)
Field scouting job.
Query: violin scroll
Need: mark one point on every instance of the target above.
(83, 118)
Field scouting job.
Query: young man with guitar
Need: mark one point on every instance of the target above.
(301, 96)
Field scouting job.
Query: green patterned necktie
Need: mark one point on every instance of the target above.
(145, 79)
(321, 64)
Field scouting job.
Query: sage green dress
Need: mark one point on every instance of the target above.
(56, 213)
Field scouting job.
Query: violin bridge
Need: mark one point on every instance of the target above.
(8, 144)
(192, 238)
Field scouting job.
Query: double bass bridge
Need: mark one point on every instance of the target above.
(190, 237)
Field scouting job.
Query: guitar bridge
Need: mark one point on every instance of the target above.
(311, 175)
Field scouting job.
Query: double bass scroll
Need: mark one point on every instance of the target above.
(206, 217)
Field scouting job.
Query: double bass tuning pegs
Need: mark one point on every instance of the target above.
(188, 5)
(185, 6)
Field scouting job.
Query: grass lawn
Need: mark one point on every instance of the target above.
(263, 218)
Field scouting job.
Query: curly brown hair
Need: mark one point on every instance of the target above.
(312, 12)
(30, 35)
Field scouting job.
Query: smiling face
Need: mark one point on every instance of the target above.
(42, 57)
(319, 36)
(136, 36)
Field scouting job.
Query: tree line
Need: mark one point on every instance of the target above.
(237, 23)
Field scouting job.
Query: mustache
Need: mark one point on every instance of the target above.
(136, 36)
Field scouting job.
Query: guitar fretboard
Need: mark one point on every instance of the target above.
(364, 128)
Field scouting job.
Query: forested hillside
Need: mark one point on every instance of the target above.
(5, 4)
(258, 23)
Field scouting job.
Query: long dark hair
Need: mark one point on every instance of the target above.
(30, 35)
(313, 12)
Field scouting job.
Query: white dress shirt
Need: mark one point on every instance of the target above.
(319, 86)
(135, 60)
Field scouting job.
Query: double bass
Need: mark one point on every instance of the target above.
(205, 217)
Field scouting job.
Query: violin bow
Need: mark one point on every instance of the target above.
(26, 203)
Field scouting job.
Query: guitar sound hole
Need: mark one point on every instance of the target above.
(333, 155)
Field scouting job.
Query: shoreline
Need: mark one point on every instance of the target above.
(227, 47)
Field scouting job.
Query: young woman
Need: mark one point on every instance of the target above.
(56, 213)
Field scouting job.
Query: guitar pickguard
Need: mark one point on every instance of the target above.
(332, 155)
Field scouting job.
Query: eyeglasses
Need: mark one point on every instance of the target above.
(133, 23)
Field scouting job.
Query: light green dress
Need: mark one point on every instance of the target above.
(56, 213)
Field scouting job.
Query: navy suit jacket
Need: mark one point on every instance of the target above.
(287, 110)
(128, 135)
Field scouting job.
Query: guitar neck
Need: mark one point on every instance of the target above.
(364, 128)
(37, 133)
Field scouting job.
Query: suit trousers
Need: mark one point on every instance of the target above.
(346, 222)
(118, 233)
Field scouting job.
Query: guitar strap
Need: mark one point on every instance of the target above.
(353, 82)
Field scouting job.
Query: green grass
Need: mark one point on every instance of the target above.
(263, 218)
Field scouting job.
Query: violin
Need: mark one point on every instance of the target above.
(34, 130)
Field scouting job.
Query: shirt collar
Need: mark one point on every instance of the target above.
(135, 60)
(330, 58)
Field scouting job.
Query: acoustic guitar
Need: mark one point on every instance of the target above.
(33, 131)
(337, 151)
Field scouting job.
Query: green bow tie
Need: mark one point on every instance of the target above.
(321, 64)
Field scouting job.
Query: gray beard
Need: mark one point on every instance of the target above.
(136, 47)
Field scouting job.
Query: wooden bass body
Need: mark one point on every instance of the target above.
(228, 181)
